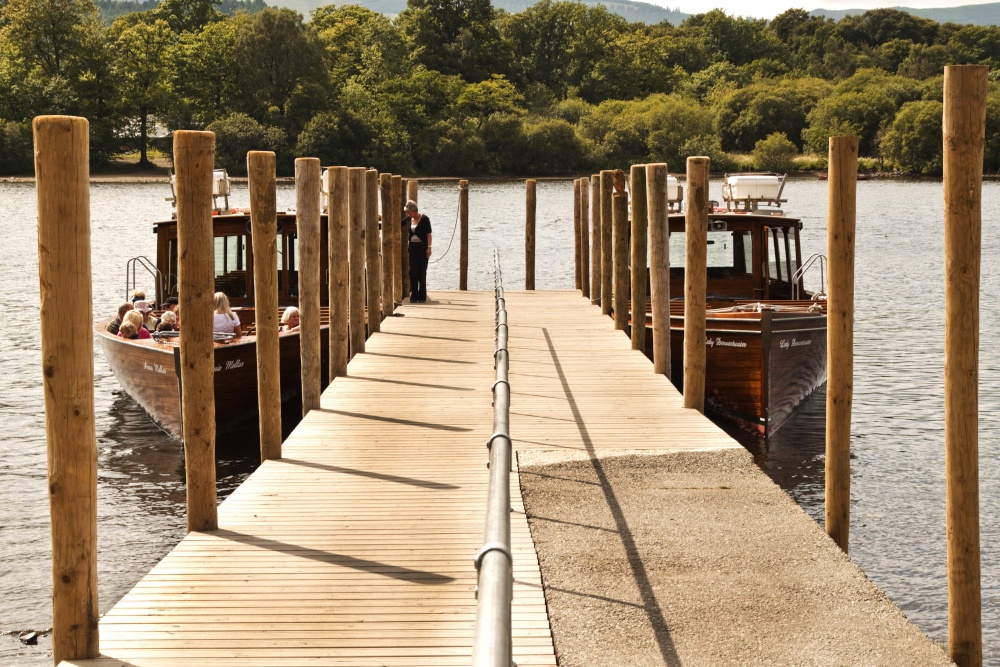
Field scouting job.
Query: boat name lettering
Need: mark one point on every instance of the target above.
(725, 343)
(146, 366)
(230, 365)
(784, 343)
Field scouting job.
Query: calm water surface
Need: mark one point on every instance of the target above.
(898, 521)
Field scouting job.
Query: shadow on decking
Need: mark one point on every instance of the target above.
(331, 558)
(409, 384)
(426, 484)
(394, 420)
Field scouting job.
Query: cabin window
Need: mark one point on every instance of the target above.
(729, 253)
(288, 264)
(172, 270)
(230, 265)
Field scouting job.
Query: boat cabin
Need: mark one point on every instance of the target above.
(753, 250)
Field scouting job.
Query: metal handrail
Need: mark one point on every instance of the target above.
(495, 562)
(801, 272)
(146, 263)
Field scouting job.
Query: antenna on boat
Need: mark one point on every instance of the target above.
(744, 193)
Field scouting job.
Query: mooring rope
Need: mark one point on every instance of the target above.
(458, 214)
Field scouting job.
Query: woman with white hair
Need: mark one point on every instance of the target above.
(290, 320)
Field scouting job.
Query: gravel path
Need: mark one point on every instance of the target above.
(697, 558)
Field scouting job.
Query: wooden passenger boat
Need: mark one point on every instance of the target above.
(765, 334)
(149, 370)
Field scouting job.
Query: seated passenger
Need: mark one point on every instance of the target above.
(290, 319)
(225, 320)
(127, 330)
(148, 320)
(168, 322)
(117, 322)
(137, 295)
(135, 317)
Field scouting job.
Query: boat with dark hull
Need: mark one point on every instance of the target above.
(149, 370)
(765, 334)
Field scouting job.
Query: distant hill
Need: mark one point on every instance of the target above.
(988, 14)
(629, 9)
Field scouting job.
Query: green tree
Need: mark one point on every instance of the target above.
(750, 114)
(634, 66)
(203, 68)
(496, 95)
(16, 154)
(142, 70)
(48, 32)
(360, 43)
(878, 26)
(736, 39)
(914, 141)
(238, 134)
(188, 15)
(454, 37)
(774, 153)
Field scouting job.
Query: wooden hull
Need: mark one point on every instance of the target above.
(149, 373)
(759, 366)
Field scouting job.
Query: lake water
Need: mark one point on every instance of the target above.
(898, 488)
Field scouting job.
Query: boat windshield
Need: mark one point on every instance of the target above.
(730, 253)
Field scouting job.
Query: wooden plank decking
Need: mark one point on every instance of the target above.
(357, 547)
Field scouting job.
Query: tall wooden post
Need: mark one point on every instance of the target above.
(529, 233)
(841, 216)
(695, 275)
(373, 268)
(338, 237)
(394, 216)
(659, 264)
(388, 258)
(577, 252)
(194, 158)
(585, 236)
(404, 235)
(606, 271)
(264, 226)
(62, 170)
(463, 218)
(307, 223)
(964, 136)
(358, 200)
(595, 235)
(619, 224)
(637, 183)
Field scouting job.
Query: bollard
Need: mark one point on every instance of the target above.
(388, 258)
(659, 264)
(619, 225)
(606, 275)
(264, 228)
(595, 235)
(529, 233)
(637, 183)
(965, 89)
(194, 158)
(585, 236)
(695, 274)
(463, 216)
(373, 267)
(338, 214)
(307, 225)
(62, 173)
(357, 203)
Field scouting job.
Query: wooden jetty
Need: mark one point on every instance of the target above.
(357, 547)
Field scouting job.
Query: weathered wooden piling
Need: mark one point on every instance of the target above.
(529, 233)
(585, 236)
(62, 172)
(659, 264)
(393, 220)
(388, 258)
(358, 198)
(463, 221)
(637, 184)
(695, 274)
(606, 263)
(595, 235)
(965, 89)
(577, 252)
(307, 222)
(194, 159)
(841, 217)
(264, 228)
(619, 224)
(338, 226)
(373, 267)
(410, 192)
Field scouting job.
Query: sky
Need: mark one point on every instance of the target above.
(767, 9)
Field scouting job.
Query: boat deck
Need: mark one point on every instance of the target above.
(356, 548)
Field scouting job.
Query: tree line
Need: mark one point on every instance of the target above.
(458, 87)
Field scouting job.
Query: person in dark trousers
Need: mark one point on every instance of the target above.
(418, 226)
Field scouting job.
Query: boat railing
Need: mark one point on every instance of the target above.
(132, 267)
(495, 562)
(818, 260)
